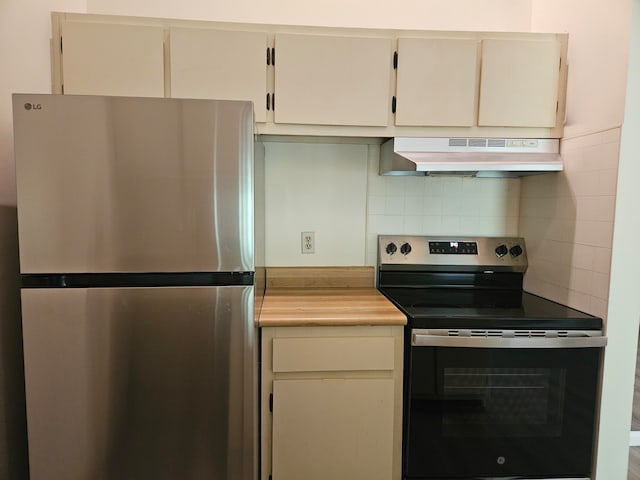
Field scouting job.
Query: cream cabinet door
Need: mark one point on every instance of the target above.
(111, 59)
(332, 80)
(437, 82)
(219, 64)
(333, 428)
(519, 83)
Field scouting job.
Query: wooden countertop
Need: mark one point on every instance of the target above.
(325, 296)
(328, 306)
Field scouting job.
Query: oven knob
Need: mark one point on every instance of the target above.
(405, 249)
(501, 250)
(391, 248)
(515, 251)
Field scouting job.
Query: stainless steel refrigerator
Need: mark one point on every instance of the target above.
(141, 251)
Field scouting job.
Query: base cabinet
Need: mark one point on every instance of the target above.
(332, 401)
(332, 428)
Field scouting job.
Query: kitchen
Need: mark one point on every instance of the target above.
(386, 197)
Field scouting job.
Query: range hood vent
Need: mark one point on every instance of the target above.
(478, 157)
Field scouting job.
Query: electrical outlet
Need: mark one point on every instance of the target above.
(308, 242)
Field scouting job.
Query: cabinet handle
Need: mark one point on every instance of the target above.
(393, 104)
(268, 56)
(273, 56)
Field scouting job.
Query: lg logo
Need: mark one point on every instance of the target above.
(32, 106)
(501, 460)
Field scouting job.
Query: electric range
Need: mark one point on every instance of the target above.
(498, 382)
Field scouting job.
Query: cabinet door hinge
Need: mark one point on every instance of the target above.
(268, 56)
(395, 60)
(393, 104)
(270, 408)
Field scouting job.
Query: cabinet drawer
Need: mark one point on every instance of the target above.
(333, 354)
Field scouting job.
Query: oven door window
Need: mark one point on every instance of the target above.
(500, 412)
(502, 402)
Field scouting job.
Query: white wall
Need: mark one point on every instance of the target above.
(598, 55)
(498, 15)
(624, 294)
(320, 188)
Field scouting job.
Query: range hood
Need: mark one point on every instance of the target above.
(477, 157)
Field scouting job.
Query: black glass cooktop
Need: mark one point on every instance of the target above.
(479, 308)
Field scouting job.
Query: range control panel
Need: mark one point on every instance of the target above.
(455, 253)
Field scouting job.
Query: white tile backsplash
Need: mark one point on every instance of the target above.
(336, 191)
(567, 222)
(581, 280)
(582, 256)
(439, 206)
(594, 233)
(596, 208)
(602, 260)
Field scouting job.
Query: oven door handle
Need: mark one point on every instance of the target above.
(419, 339)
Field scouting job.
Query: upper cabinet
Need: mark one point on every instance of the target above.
(316, 81)
(505, 82)
(219, 64)
(519, 83)
(332, 80)
(437, 82)
(112, 59)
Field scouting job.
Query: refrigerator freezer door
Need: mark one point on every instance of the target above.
(118, 184)
(148, 383)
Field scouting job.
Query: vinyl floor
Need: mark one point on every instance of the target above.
(634, 463)
(634, 452)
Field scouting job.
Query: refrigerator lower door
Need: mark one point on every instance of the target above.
(141, 383)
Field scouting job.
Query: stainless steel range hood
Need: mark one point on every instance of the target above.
(478, 157)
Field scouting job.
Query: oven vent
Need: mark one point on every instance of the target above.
(508, 333)
(530, 333)
(486, 333)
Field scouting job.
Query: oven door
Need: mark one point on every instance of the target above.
(489, 406)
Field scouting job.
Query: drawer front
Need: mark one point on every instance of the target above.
(333, 354)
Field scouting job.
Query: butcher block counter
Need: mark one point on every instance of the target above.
(325, 296)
